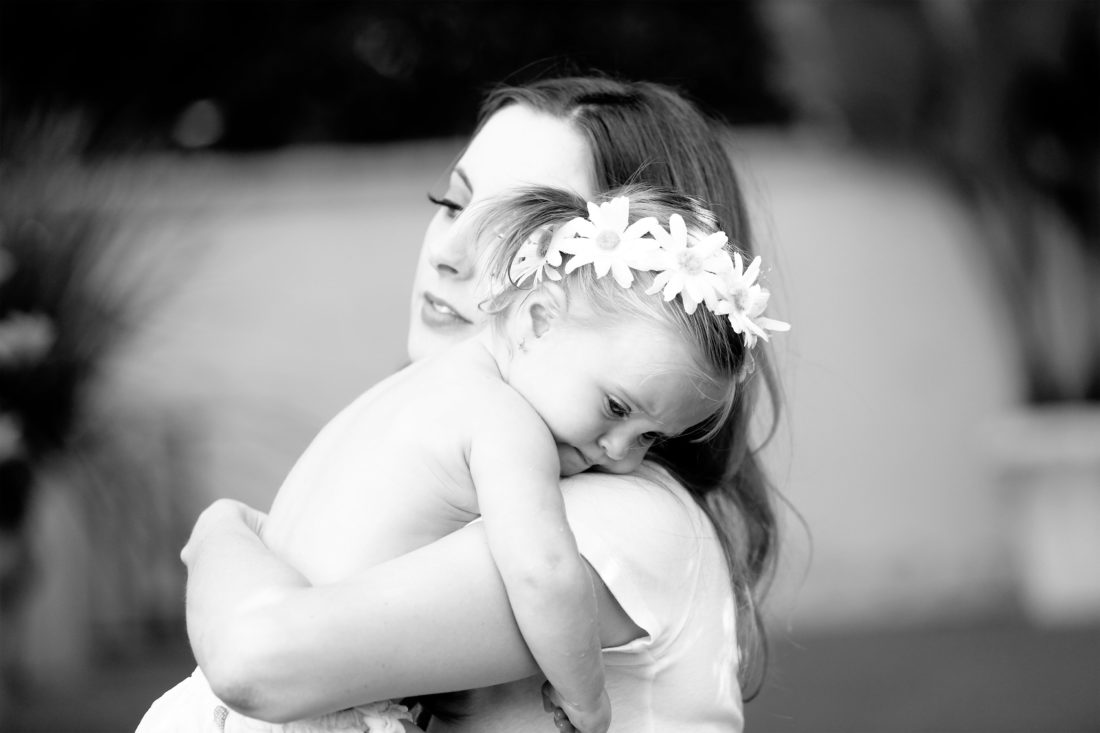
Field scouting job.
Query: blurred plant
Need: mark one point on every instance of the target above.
(73, 290)
(1001, 96)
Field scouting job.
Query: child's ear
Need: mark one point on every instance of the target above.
(543, 307)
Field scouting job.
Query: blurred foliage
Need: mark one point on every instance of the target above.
(92, 491)
(244, 74)
(1001, 97)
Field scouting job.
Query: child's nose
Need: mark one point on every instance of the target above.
(616, 447)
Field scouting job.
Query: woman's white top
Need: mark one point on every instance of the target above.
(659, 556)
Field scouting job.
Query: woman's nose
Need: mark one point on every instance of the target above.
(452, 254)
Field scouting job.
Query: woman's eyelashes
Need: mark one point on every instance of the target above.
(451, 208)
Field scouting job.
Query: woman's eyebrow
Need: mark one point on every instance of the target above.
(461, 174)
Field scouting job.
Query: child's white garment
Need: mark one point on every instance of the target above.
(192, 707)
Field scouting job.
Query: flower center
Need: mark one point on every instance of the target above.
(690, 262)
(739, 297)
(608, 239)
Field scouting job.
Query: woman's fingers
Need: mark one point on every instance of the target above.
(221, 510)
(254, 518)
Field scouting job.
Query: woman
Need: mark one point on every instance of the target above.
(438, 619)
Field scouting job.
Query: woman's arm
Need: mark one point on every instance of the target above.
(434, 620)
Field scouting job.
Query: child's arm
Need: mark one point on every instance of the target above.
(514, 464)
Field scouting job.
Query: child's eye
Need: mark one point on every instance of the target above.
(617, 409)
(650, 438)
(452, 209)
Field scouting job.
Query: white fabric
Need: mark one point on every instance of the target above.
(191, 707)
(659, 556)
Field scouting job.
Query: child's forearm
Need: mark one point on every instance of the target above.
(554, 602)
(549, 586)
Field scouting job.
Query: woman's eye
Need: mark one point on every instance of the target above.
(616, 408)
(450, 208)
(650, 438)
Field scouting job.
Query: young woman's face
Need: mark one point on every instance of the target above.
(516, 147)
(609, 393)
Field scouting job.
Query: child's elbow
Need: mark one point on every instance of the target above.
(547, 574)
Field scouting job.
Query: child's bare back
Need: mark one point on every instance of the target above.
(389, 473)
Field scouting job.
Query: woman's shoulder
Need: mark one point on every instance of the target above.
(650, 498)
(652, 546)
(645, 524)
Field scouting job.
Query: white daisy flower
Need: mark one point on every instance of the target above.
(745, 300)
(690, 271)
(539, 257)
(606, 241)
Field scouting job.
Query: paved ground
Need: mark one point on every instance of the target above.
(998, 677)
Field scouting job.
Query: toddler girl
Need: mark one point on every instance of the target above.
(609, 332)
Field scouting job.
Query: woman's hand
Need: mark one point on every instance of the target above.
(570, 719)
(218, 514)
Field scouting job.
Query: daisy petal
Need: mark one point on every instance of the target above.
(578, 260)
(621, 271)
(754, 270)
(658, 282)
(602, 265)
(773, 325)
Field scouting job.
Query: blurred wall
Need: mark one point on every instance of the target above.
(292, 297)
(294, 272)
(897, 366)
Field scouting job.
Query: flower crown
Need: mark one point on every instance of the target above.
(699, 272)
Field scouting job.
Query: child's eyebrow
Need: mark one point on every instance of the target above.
(639, 405)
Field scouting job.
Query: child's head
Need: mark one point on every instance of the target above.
(627, 322)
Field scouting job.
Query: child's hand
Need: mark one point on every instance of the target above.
(571, 719)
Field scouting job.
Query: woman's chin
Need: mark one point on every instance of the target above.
(425, 341)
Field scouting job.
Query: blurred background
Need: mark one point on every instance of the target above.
(209, 218)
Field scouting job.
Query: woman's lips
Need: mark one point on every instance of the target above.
(439, 313)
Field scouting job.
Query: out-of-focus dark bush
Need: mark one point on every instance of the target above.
(250, 75)
(1000, 98)
(93, 484)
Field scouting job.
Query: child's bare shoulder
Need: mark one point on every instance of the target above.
(508, 417)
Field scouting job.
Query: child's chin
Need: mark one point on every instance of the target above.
(570, 462)
(567, 471)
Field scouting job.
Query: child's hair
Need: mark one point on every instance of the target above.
(533, 214)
